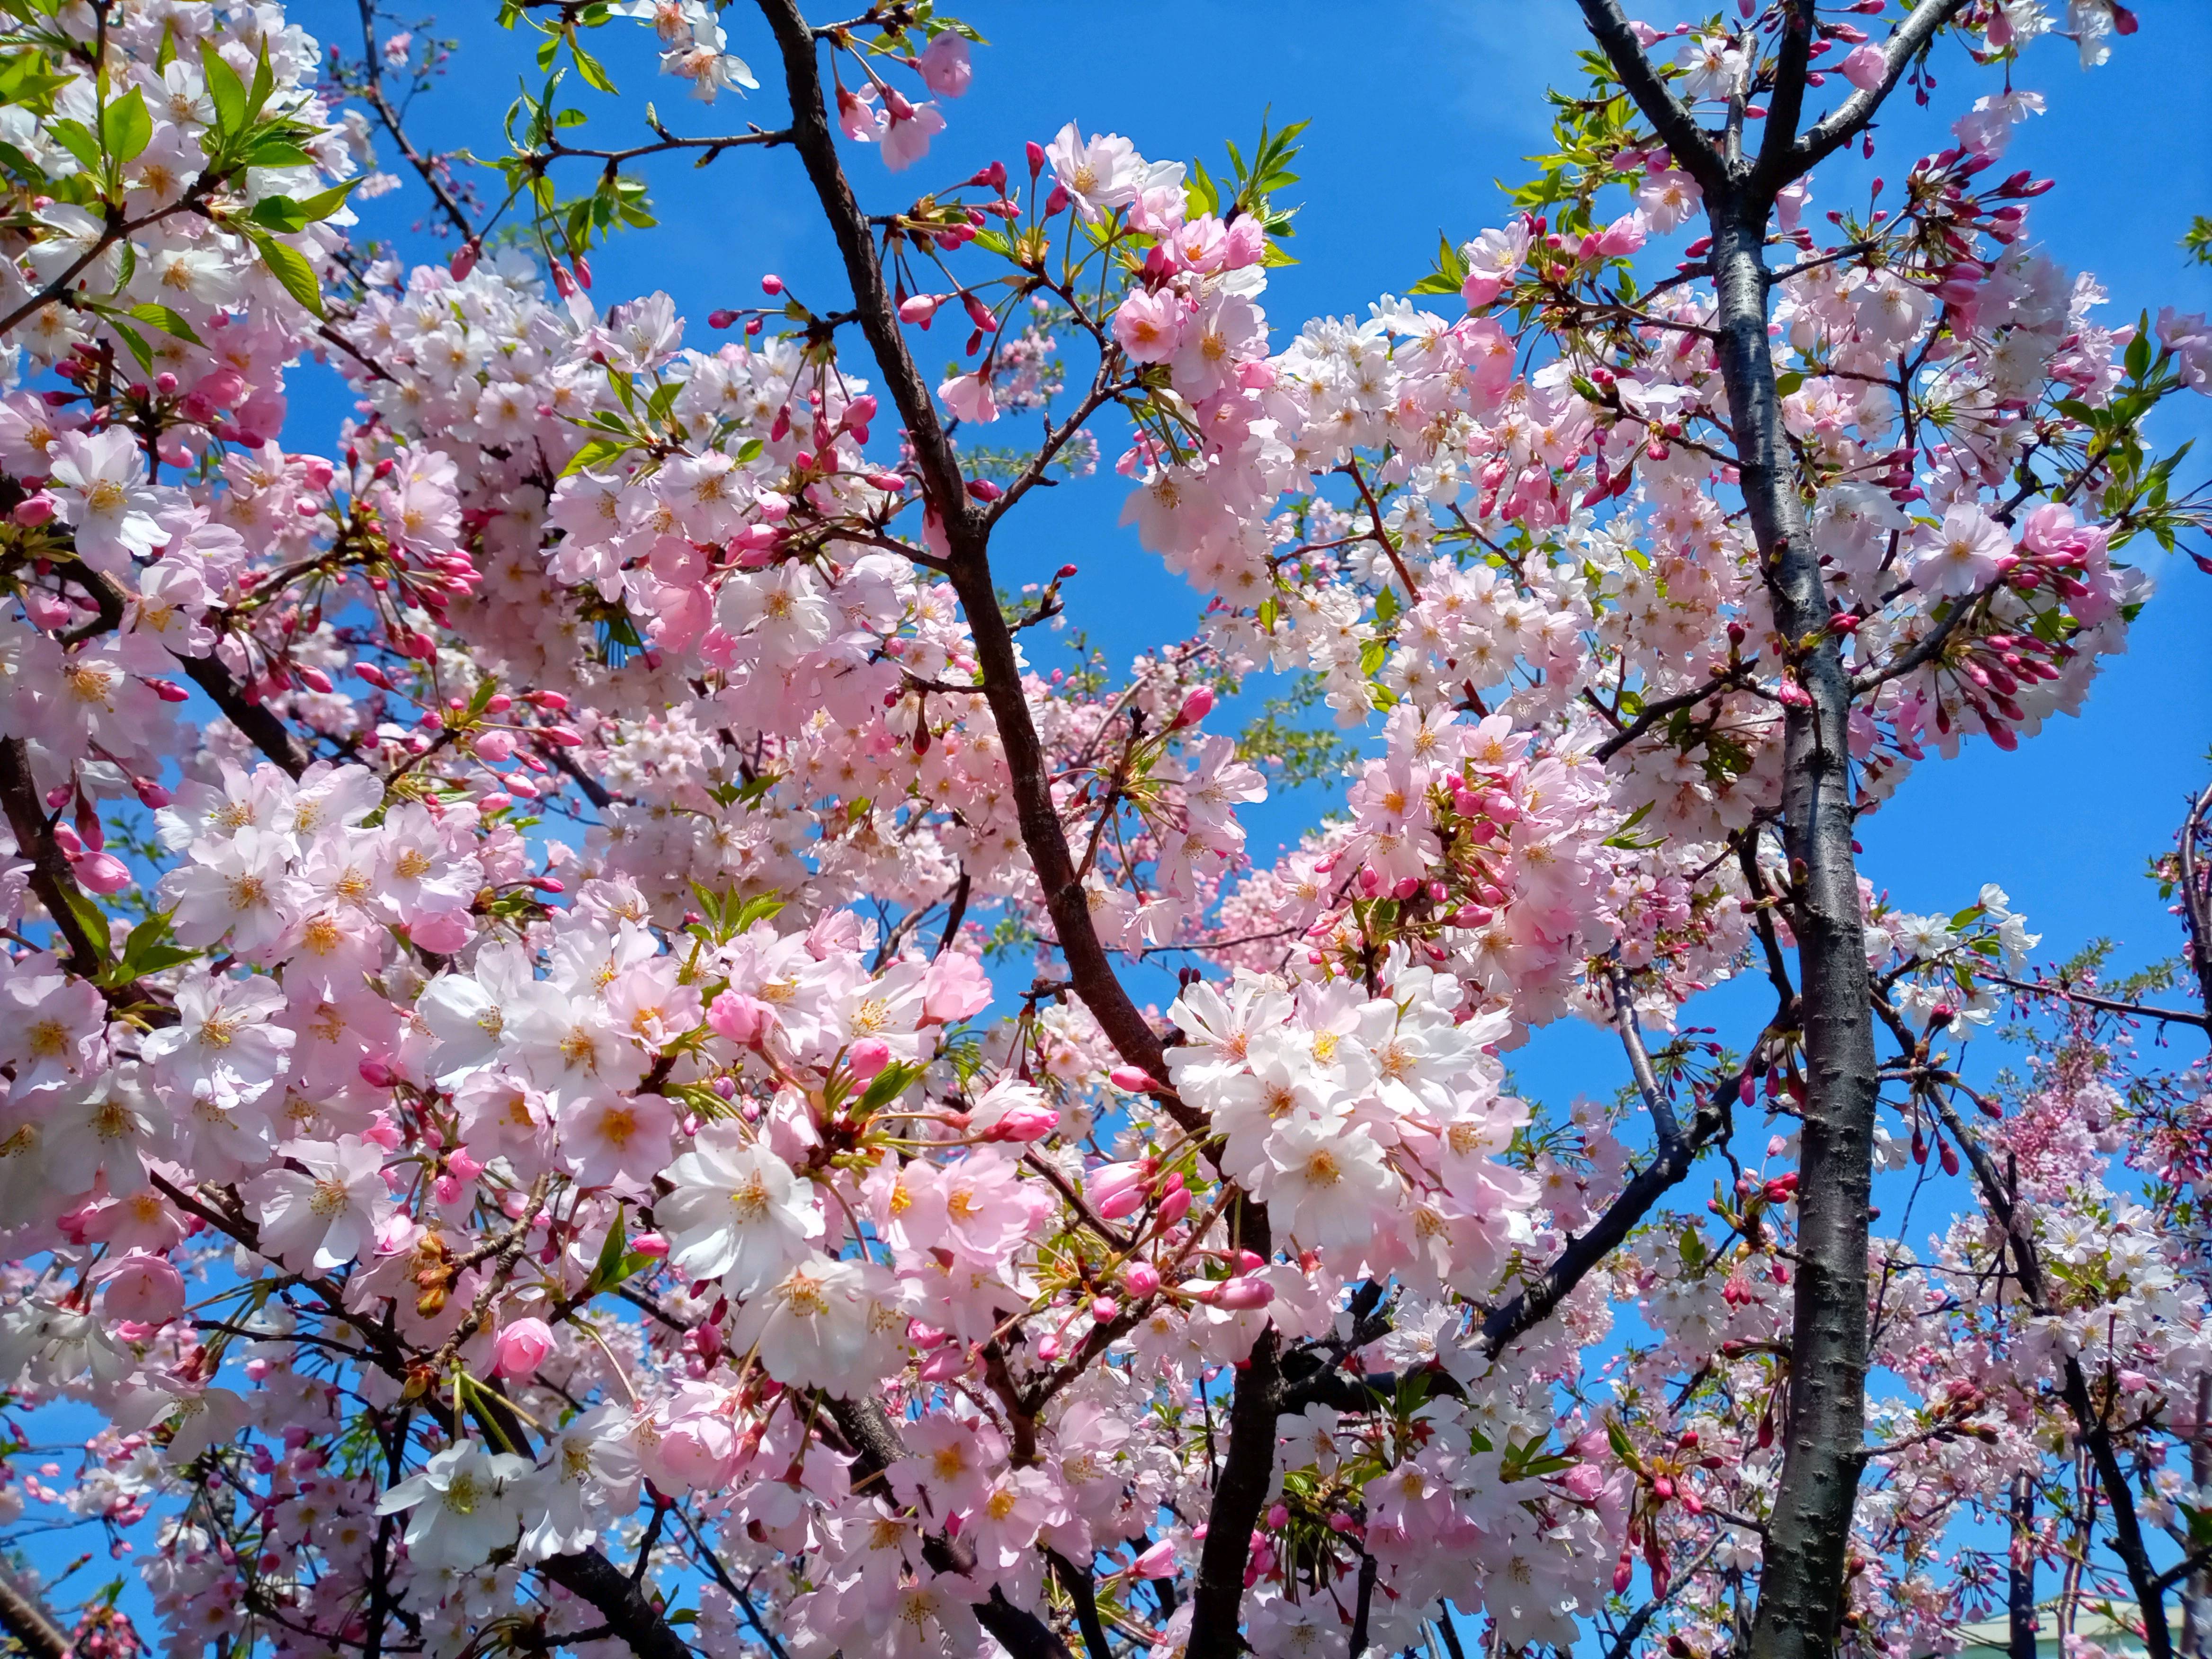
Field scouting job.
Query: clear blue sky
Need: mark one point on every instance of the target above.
(1418, 111)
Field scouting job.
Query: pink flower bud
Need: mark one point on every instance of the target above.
(1141, 1277)
(1240, 1295)
(1175, 1207)
(143, 1288)
(1132, 1079)
(1865, 67)
(771, 285)
(865, 1058)
(1117, 1189)
(953, 987)
(740, 1017)
(34, 510)
(1157, 1562)
(1025, 1123)
(720, 318)
(1103, 1307)
(945, 1363)
(1197, 704)
(465, 259)
(101, 872)
(521, 1347)
(442, 931)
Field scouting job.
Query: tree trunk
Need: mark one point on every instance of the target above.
(2020, 1574)
(1802, 1594)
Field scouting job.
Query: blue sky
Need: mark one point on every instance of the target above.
(1420, 112)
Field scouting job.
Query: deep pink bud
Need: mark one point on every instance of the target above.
(867, 1057)
(740, 1017)
(101, 872)
(141, 1287)
(1117, 1189)
(521, 1347)
(1197, 704)
(771, 284)
(465, 259)
(1158, 1560)
(1240, 1294)
(720, 318)
(1025, 1123)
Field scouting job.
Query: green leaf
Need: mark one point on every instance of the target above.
(608, 1269)
(2138, 358)
(225, 89)
(133, 341)
(1786, 383)
(888, 1086)
(276, 152)
(77, 138)
(759, 907)
(594, 451)
(147, 950)
(291, 269)
(319, 206)
(278, 213)
(94, 918)
(160, 317)
(264, 82)
(27, 78)
(1623, 1447)
(125, 128)
(1387, 605)
(595, 75)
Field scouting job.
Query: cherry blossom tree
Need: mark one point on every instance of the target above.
(589, 1065)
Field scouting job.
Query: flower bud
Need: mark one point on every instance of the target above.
(1239, 1295)
(521, 1347)
(1157, 1562)
(141, 1287)
(865, 1058)
(1197, 704)
(101, 872)
(1025, 1123)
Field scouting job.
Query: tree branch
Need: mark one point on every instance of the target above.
(1676, 127)
(1911, 38)
(25, 1617)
